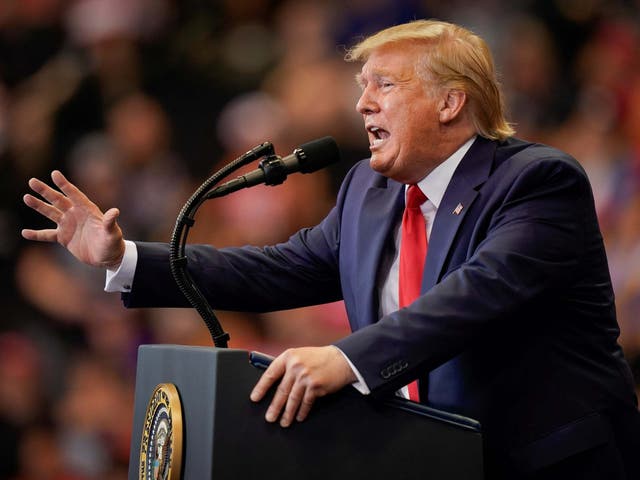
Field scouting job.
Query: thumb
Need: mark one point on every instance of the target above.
(109, 219)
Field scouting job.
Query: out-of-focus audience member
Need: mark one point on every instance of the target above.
(153, 183)
(94, 419)
(22, 392)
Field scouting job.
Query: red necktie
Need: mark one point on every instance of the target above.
(413, 252)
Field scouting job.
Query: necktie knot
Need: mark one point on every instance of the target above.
(415, 197)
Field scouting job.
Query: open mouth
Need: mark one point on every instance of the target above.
(377, 135)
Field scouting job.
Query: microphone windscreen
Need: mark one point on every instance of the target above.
(317, 154)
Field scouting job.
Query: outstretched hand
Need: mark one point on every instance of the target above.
(306, 374)
(91, 236)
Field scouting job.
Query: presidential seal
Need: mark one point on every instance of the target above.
(161, 445)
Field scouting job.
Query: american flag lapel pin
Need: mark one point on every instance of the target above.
(458, 209)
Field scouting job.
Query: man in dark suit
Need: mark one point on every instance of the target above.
(515, 322)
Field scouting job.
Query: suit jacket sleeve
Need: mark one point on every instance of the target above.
(300, 272)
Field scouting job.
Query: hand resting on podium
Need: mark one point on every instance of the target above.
(304, 374)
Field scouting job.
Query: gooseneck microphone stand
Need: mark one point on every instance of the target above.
(184, 222)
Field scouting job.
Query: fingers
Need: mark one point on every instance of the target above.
(302, 404)
(64, 199)
(287, 396)
(48, 235)
(51, 195)
(292, 397)
(282, 397)
(43, 208)
(69, 189)
(109, 219)
(268, 378)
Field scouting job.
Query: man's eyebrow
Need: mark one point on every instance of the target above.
(377, 76)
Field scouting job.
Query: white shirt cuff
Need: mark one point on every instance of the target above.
(360, 385)
(121, 279)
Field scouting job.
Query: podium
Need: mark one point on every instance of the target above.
(346, 436)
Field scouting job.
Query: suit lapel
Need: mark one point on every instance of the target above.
(384, 205)
(472, 172)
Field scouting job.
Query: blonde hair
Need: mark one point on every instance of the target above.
(455, 58)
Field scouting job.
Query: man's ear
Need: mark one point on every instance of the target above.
(451, 105)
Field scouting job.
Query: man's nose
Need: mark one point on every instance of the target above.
(366, 103)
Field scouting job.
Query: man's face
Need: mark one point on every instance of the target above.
(400, 113)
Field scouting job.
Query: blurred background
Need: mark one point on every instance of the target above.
(138, 101)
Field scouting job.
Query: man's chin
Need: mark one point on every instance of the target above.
(390, 169)
(379, 164)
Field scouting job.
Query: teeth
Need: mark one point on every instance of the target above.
(379, 135)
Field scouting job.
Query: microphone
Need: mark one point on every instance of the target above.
(273, 170)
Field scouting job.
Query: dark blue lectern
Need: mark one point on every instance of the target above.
(346, 436)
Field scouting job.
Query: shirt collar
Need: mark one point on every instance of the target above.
(435, 184)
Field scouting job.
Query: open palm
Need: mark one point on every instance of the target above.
(91, 236)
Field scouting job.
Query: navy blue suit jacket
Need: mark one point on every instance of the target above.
(516, 322)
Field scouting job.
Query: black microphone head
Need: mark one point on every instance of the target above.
(317, 154)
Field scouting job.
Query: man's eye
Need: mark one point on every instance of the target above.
(387, 84)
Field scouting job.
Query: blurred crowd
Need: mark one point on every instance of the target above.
(138, 101)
